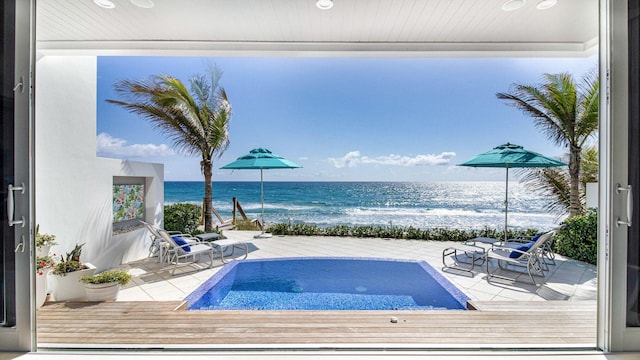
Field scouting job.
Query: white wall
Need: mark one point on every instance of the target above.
(73, 186)
(592, 195)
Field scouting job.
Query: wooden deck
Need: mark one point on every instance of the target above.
(160, 325)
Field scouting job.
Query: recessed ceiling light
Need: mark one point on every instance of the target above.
(324, 4)
(546, 4)
(106, 4)
(145, 4)
(513, 5)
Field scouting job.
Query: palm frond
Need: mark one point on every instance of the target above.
(589, 105)
(552, 183)
(533, 102)
(590, 165)
(188, 119)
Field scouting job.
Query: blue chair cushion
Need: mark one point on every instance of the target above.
(525, 248)
(181, 242)
(535, 238)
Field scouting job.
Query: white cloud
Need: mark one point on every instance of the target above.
(354, 158)
(350, 160)
(107, 145)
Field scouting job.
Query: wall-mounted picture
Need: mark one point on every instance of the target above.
(128, 202)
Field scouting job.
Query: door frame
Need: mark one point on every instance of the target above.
(613, 333)
(21, 337)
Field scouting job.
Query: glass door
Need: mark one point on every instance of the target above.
(619, 232)
(633, 241)
(16, 321)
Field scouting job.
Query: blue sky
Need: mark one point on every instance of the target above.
(343, 119)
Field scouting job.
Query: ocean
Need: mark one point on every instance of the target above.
(455, 205)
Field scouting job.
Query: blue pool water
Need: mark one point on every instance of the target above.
(326, 284)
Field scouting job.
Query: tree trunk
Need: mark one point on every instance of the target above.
(575, 207)
(208, 195)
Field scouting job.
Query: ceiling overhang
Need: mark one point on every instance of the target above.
(354, 28)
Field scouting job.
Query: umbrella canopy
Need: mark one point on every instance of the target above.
(511, 156)
(261, 158)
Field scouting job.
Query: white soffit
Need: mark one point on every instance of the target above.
(299, 28)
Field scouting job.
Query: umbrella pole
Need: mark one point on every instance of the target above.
(262, 197)
(506, 204)
(262, 233)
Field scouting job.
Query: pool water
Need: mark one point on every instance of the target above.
(326, 284)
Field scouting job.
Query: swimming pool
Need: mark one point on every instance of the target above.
(326, 284)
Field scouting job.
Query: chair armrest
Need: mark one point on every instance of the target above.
(507, 252)
(191, 237)
(186, 236)
(505, 248)
(520, 240)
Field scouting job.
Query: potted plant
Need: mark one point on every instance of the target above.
(44, 242)
(43, 266)
(105, 286)
(66, 275)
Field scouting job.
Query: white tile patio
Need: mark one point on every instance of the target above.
(569, 280)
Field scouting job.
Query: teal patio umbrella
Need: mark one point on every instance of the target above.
(261, 158)
(511, 156)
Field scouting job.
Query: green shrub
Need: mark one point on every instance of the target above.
(579, 239)
(70, 262)
(183, 217)
(110, 276)
(391, 232)
(247, 225)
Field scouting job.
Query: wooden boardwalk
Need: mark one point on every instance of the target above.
(160, 325)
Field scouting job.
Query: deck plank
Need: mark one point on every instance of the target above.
(118, 324)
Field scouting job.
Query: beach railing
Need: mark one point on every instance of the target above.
(238, 208)
(222, 222)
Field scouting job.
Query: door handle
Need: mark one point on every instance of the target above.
(19, 85)
(20, 246)
(11, 204)
(619, 189)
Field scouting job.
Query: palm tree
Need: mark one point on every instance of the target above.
(566, 112)
(196, 122)
(555, 183)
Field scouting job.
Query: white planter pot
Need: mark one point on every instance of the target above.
(102, 292)
(43, 250)
(69, 287)
(41, 287)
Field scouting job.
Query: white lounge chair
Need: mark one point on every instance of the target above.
(221, 245)
(529, 257)
(158, 246)
(178, 251)
(548, 256)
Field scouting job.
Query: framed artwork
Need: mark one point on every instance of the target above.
(128, 202)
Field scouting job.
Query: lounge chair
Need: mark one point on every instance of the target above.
(158, 247)
(179, 249)
(547, 253)
(229, 242)
(528, 256)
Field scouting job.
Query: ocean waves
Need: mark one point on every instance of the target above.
(473, 205)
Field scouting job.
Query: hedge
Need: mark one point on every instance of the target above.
(183, 217)
(390, 232)
(579, 238)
